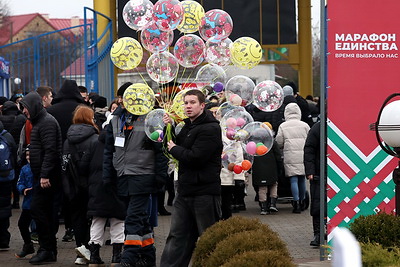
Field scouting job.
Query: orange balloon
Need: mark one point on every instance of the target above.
(246, 165)
(261, 150)
(230, 166)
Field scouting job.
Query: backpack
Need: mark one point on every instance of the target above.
(5, 156)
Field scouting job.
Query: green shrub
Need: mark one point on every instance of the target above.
(262, 258)
(379, 228)
(375, 255)
(220, 231)
(238, 243)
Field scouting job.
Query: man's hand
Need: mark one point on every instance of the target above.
(171, 144)
(26, 190)
(310, 177)
(167, 119)
(45, 183)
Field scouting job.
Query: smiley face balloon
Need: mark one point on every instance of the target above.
(126, 53)
(138, 99)
(246, 53)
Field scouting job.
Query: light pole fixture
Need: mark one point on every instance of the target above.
(387, 128)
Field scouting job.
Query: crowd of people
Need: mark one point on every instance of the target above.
(74, 159)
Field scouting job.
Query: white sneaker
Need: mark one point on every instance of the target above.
(83, 252)
(80, 261)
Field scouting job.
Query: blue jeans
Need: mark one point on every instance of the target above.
(298, 187)
(190, 218)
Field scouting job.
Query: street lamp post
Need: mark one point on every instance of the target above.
(387, 128)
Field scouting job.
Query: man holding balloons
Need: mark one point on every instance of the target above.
(197, 205)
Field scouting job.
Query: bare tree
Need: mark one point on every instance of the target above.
(4, 12)
(316, 58)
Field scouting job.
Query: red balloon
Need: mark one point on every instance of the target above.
(237, 169)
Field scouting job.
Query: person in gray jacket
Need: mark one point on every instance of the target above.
(141, 169)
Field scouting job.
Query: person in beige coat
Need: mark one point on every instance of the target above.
(291, 137)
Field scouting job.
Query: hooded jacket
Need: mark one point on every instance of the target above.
(83, 138)
(198, 150)
(291, 137)
(64, 104)
(46, 144)
(12, 119)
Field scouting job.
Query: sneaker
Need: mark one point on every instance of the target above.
(34, 238)
(26, 249)
(69, 236)
(80, 261)
(83, 252)
(43, 256)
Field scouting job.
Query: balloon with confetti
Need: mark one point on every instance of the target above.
(168, 14)
(216, 23)
(189, 50)
(138, 99)
(239, 90)
(137, 13)
(268, 96)
(155, 40)
(193, 13)
(218, 52)
(126, 53)
(154, 125)
(260, 139)
(162, 67)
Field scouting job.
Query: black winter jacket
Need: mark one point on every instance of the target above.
(83, 138)
(103, 199)
(13, 120)
(46, 143)
(64, 104)
(198, 150)
(312, 151)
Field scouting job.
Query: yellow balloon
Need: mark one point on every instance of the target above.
(193, 13)
(177, 106)
(246, 53)
(138, 99)
(126, 53)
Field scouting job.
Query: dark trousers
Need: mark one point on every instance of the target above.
(80, 221)
(139, 239)
(190, 218)
(42, 211)
(226, 201)
(5, 212)
(24, 222)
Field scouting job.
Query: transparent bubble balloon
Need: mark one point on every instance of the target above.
(162, 67)
(168, 14)
(138, 99)
(260, 139)
(211, 74)
(216, 23)
(126, 53)
(225, 108)
(189, 50)
(193, 13)
(268, 96)
(154, 125)
(246, 53)
(234, 158)
(155, 40)
(178, 128)
(218, 52)
(239, 90)
(233, 122)
(137, 13)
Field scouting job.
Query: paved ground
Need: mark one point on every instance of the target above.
(294, 229)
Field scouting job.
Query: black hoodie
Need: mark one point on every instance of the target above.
(64, 104)
(45, 146)
(12, 119)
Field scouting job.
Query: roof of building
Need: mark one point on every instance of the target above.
(14, 24)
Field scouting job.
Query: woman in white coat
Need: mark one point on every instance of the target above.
(291, 137)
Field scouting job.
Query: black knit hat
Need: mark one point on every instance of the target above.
(122, 88)
(100, 102)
